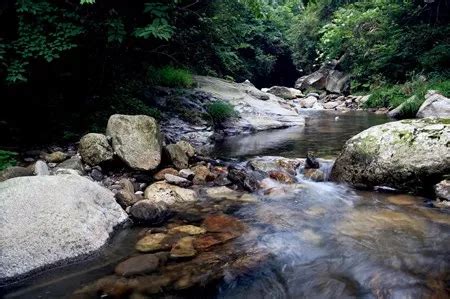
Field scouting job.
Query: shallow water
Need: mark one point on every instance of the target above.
(323, 134)
(325, 240)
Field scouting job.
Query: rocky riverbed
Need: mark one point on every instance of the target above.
(208, 224)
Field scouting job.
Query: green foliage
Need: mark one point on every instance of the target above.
(221, 111)
(411, 93)
(159, 28)
(170, 76)
(7, 159)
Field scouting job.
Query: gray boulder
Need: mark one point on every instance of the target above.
(70, 216)
(40, 168)
(94, 149)
(177, 156)
(73, 163)
(285, 92)
(408, 155)
(308, 102)
(326, 78)
(136, 139)
(435, 105)
(15, 171)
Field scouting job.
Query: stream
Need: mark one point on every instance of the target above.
(320, 240)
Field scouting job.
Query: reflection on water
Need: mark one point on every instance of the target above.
(322, 134)
(331, 242)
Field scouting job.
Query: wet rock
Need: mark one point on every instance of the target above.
(435, 105)
(408, 155)
(222, 180)
(188, 229)
(311, 161)
(187, 174)
(230, 194)
(210, 240)
(404, 200)
(153, 242)
(442, 190)
(176, 180)
(136, 139)
(177, 156)
(183, 248)
(15, 171)
(149, 212)
(159, 176)
(70, 215)
(245, 179)
(95, 149)
(223, 224)
(275, 163)
(141, 264)
(127, 185)
(282, 177)
(73, 163)
(316, 175)
(125, 198)
(55, 157)
(202, 175)
(169, 194)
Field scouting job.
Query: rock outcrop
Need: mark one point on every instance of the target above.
(326, 78)
(435, 105)
(408, 155)
(136, 139)
(46, 220)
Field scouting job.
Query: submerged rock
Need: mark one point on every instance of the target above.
(188, 229)
(94, 149)
(183, 248)
(153, 242)
(136, 139)
(141, 264)
(149, 212)
(71, 216)
(409, 155)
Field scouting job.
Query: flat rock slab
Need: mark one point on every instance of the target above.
(46, 220)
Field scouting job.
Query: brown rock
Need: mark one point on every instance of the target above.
(316, 175)
(183, 248)
(126, 184)
(152, 243)
(55, 157)
(159, 176)
(125, 198)
(205, 242)
(202, 175)
(223, 224)
(282, 177)
(188, 229)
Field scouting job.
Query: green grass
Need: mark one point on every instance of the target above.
(7, 159)
(221, 111)
(390, 96)
(170, 77)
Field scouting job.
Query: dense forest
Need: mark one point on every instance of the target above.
(74, 63)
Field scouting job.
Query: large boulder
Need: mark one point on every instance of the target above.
(326, 78)
(435, 105)
(285, 92)
(410, 155)
(94, 149)
(45, 220)
(136, 139)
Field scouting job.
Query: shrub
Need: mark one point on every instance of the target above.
(7, 159)
(221, 111)
(170, 77)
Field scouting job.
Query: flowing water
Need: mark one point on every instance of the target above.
(325, 240)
